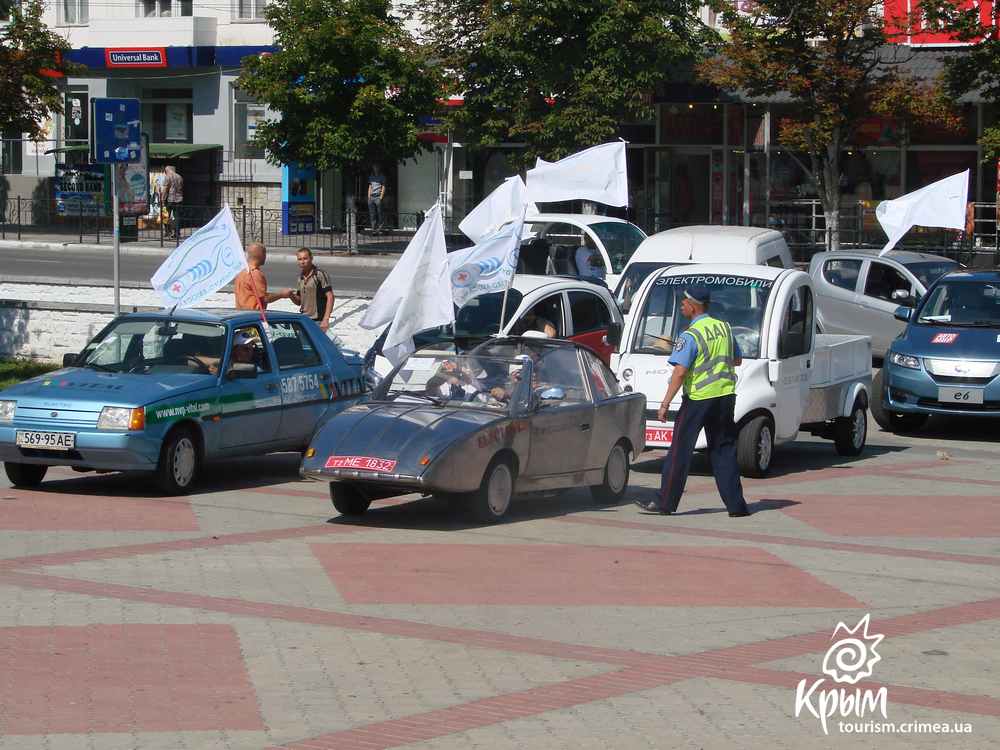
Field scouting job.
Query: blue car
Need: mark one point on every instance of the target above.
(163, 393)
(947, 360)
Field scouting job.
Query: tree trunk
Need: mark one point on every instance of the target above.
(830, 195)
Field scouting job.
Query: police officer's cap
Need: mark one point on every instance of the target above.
(699, 294)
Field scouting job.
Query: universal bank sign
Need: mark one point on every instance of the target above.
(135, 57)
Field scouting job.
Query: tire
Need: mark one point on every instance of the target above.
(180, 462)
(25, 475)
(491, 501)
(348, 499)
(851, 433)
(755, 447)
(616, 473)
(888, 420)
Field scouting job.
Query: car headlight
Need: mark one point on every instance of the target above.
(121, 418)
(904, 360)
(7, 410)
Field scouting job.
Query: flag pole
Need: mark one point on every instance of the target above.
(503, 304)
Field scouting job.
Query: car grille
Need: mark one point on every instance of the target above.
(961, 379)
(61, 455)
(985, 406)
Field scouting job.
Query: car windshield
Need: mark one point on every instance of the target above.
(620, 239)
(632, 279)
(475, 321)
(460, 380)
(962, 303)
(738, 300)
(929, 271)
(155, 346)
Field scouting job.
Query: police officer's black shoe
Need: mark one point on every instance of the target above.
(741, 514)
(649, 506)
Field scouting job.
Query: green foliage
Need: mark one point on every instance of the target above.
(15, 370)
(558, 75)
(27, 47)
(349, 84)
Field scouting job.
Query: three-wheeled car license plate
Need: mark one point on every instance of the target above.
(960, 395)
(364, 463)
(659, 435)
(52, 441)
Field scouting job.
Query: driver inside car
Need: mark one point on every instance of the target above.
(244, 352)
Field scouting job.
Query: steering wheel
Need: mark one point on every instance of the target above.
(195, 361)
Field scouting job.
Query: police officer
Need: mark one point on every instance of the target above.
(704, 360)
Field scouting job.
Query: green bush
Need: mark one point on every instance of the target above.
(15, 370)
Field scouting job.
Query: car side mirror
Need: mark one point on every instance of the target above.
(551, 395)
(614, 335)
(241, 370)
(903, 297)
(903, 313)
(69, 360)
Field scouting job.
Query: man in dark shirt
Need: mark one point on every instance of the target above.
(313, 294)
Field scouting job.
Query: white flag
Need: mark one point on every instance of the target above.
(487, 266)
(940, 204)
(596, 174)
(204, 263)
(416, 295)
(503, 205)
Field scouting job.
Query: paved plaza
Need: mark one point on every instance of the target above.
(250, 615)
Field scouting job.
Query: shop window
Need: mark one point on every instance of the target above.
(76, 111)
(249, 10)
(167, 115)
(164, 8)
(248, 113)
(926, 166)
(11, 153)
(924, 134)
(688, 123)
(74, 12)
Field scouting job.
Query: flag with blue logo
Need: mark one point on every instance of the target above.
(203, 264)
(488, 266)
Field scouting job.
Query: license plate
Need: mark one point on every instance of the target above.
(960, 395)
(659, 435)
(50, 441)
(364, 463)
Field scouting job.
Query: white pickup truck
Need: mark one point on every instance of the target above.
(791, 378)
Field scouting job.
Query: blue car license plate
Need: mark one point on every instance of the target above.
(960, 395)
(52, 441)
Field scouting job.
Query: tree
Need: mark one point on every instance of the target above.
(837, 61)
(558, 75)
(31, 65)
(977, 67)
(349, 85)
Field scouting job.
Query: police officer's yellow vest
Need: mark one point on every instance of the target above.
(712, 373)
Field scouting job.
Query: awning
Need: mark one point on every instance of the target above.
(156, 150)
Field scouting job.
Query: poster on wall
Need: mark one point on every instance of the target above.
(133, 184)
(176, 122)
(80, 190)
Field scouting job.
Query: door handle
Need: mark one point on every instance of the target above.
(809, 363)
(584, 427)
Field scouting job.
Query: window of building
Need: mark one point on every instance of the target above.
(5, 10)
(76, 110)
(248, 113)
(11, 151)
(164, 8)
(249, 10)
(168, 115)
(74, 12)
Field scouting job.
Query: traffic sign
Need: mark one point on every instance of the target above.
(114, 134)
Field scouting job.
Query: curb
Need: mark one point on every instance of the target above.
(279, 255)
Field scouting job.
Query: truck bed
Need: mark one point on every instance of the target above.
(839, 358)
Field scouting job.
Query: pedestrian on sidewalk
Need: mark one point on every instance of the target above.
(313, 293)
(376, 194)
(704, 359)
(250, 285)
(172, 196)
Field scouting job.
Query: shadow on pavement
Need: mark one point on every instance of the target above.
(954, 429)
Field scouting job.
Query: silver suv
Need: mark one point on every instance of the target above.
(858, 292)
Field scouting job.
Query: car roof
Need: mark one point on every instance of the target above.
(212, 315)
(585, 219)
(900, 256)
(729, 269)
(989, 275)
(724, 243)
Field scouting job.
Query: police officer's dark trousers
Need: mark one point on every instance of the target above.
(716, 416)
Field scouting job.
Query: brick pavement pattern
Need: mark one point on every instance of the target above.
(249, 615)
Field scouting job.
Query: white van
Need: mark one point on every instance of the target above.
(701, 244)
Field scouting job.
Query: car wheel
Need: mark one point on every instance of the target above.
(851, 433)
(755, 447)
(888, 420)
(616, 472)
(25, 475)
(491, 501)
(180, 461)
(348, 499)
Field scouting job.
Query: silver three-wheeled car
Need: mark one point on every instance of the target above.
(515, 415)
